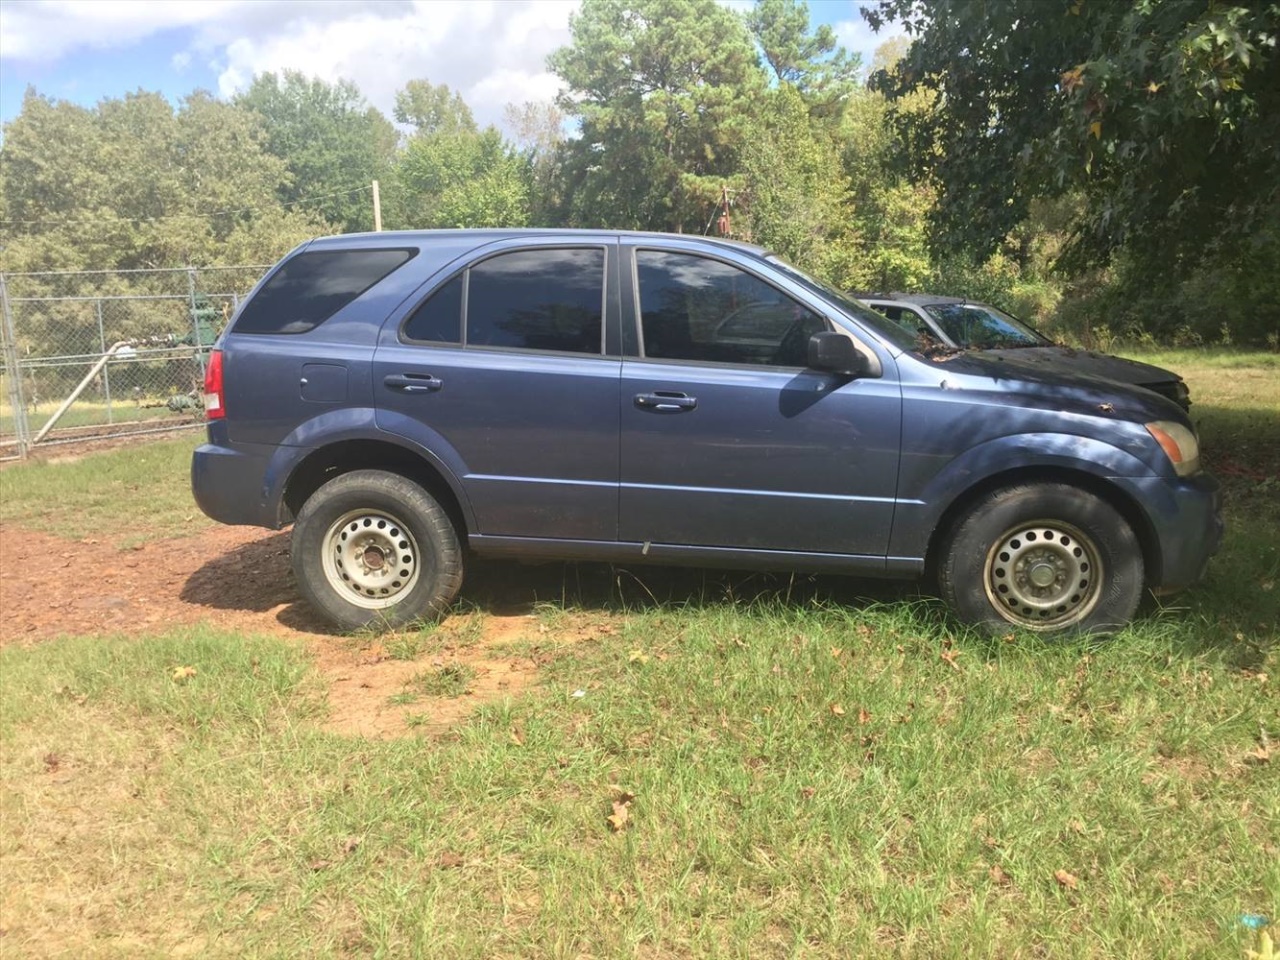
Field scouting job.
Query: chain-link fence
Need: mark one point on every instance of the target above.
(90, 354)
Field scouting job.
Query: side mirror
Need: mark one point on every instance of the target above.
(835, 353)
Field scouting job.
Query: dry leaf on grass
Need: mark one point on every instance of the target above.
(999, 876)
(837, 710)
(621, 807)
(1065, 879)
(618, 819)
(183, 674)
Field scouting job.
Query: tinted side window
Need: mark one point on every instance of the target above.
(694, 308)
(439, 318)
(312, 287)
(538, 300)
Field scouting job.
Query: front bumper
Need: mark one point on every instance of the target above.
(1186, 518)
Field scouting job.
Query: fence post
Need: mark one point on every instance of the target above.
(195, 319)
(106, 373)
(13, 372)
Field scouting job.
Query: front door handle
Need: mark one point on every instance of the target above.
(413, 382)
(666, 401)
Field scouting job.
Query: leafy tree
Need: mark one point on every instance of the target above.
(463, 178)
(332, 141)
(797, 201)
(664, 92)
(538, 131)
(809, 60)
(1163, 114)
(432, 108)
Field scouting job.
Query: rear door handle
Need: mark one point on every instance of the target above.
(413, 382)
(666, 401)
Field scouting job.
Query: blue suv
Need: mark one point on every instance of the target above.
(406, 398)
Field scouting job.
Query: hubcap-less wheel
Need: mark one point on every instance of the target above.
(1043, 575)
(370, 558)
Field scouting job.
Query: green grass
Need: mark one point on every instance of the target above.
(809, 780)
(124, 496)
(92, 413)
(812, 778)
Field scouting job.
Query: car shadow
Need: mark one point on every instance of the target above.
(256, 577)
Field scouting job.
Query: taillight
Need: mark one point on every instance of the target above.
(213, 407)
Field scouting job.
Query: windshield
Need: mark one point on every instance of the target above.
(972, 325)
(885, 328)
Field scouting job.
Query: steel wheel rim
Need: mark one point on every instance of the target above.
(1043, 575)
(370, 558)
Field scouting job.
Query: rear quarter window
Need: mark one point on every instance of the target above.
(311, 287)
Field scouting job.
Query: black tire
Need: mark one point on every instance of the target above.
(373, 549)
(1046, 557)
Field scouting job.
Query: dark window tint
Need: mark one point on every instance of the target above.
(538, 300)
(693, 308)
(439, 319)
(312, 287)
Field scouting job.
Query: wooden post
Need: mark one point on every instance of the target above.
(377, 209)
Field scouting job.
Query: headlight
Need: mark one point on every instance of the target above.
(1179, 445)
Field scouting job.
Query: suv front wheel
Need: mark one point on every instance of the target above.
(1046, 557)
(374, 548)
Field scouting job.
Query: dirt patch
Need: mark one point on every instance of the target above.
(239, 578)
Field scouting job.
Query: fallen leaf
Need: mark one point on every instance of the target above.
(52, 762)
(835, 652)
(618, 819)
(864, 715)
(620, 795)
(637, 656)
(350, 845)
(808, 792)
(949, 657)
(318, 865)
(182, 674)
(837, 710)
(1259, 755)
(1095, 129)
(517, 735)
(999, 876)
(1068, 880)
(450, 860)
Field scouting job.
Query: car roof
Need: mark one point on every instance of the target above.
(915, 299)
(490, 234)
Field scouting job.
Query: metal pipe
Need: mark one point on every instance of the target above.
(93, 372)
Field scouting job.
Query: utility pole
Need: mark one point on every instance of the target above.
(377, 209)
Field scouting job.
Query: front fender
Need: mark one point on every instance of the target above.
(922, 504)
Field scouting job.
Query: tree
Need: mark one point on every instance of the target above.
(432, 108)
(538, 131)
(463, 178)
(797, 201)
(811, 61)
(1163, 114)
(664, 92)
(332, 141)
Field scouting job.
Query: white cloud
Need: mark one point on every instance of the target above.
(491, 51)
(856, 35)
(44, 30)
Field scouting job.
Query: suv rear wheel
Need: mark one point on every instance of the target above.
(1046, 557)
(373, 548)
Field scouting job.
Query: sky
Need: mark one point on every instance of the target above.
(493, 52)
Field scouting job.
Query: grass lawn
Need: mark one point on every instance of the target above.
(787, 775)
